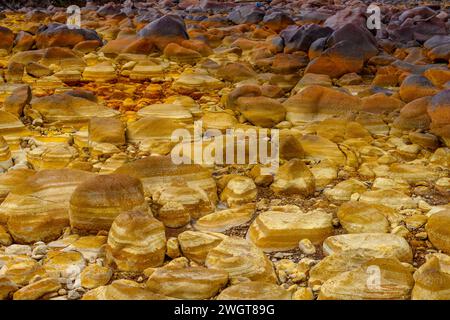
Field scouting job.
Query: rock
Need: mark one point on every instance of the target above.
(437, 230)
(19, 98)
(246, 14)
(37, 289)
(5, 155)
(122, 290)
(414, 115)
(11, 179)
(280, 231)
(432, 280)
(14, 72)
(277, 21)
(190, 283)
(136, 241)
(174, 112)
(188, 83)
(373, 244)
(315, 103)
(6, 39)
(114, 194)
(395, 282)
(102, 72)
(38, 208)
(241, 259)
(173, 248)
(223, 220)
(294, 177)
(254, 290)
(306, 246)
(60, 35)
(415, 87)
(350, 79)
(21, 270)
(238, 191)
(310, 79)
(164, 30)
(158, 171)
(7, 287)
(347, 50)
(51, 156)
(196, 245)
(64, 264)
(5, 238)
(104, 130)
(380, 103)
(179, 54)
(261, 111)
(300, 38)
(91, 247)
(344, 190)
(68, 109)
(303, 294)
(389, 197)
(178, 203)
(94, 276)
(360, 217)
(438, 110)
(37, 70)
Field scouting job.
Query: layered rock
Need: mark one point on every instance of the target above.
(158, 171)
(96, 202)
(241, 259)
(438, 231)
(294, 177)
(372, 244)
(254, 290)
(223, 220)
(278, 231)
(136, 241)
(189, 283)
(38, 208)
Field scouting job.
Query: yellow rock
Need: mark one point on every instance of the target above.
(294, 177)
(189, 283)
(5, 155)
(343, 190)
(384, 245)
(179, 203)
(241, 259)
(303, 293)
(22, 271)
(5, 238)
(94, 276)
(173, 248)
(51, 156)
(388, 197)
(432, 279)
(195, 245)
(238, 191)
(192, 82)
(60, 263)
(99, 200)
(157, 171)
(335, 264)
(360, 217)
(174, 112)
(223, 220)
(37, 289)
(38, 208)
(11, 179)
(380, 279)
(254, 290)
(7, 287)
(136, 241)
(122, 290)
(318, 148)
(324, 173)
(279, 231)
(315, 103)
(438, 229)
(91, 247)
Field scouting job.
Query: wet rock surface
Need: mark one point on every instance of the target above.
(110, 189)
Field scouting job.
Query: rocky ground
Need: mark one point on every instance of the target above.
(94, 207)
